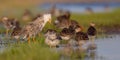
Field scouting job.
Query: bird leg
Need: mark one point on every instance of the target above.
(33, 39)
(7, 32)
(11, 38)
(18, 40)
(39, 35)
(28, 40)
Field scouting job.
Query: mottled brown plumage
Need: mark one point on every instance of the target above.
(16, 31)
(27, 15)
(64, 22)
(34, 27)
(67, 33)
(9, 24)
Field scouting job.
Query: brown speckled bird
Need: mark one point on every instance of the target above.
(16, 30)
(64, 21)
(34, 27)
(9, 24)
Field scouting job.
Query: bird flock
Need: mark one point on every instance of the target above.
(29, 30)
(71, 31)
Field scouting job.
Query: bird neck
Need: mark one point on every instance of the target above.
(45, 21)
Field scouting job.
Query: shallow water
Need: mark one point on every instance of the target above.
(107, 48)
(81, 7)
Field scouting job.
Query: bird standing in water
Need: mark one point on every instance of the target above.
(92, 32)
(67, 33)
(33, 28)
(92, 35)
(81, 38)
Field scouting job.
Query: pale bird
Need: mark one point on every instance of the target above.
(33, 28)
(51, 38)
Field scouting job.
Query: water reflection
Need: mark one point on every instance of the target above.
(107, 49)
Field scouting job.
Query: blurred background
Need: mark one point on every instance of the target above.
(14, 7)
(104, 13)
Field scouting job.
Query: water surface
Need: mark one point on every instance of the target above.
(81, 7)
(107, 48)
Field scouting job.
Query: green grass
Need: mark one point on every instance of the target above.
(110, 20)
(105, 19)
(102, 20)
(33, 51)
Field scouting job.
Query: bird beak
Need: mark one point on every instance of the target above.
(50, 21)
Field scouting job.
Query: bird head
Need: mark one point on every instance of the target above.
(47, 18)
(4, 18)
(92, 24)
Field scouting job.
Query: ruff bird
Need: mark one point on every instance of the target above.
(82, 39)
(64, 21)
(58, 12)
(92, 32)
(67, 33)
(27, 15)
(51, 38)
(9, 24)
(16, 30)
(36, 26)
(92, 35)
